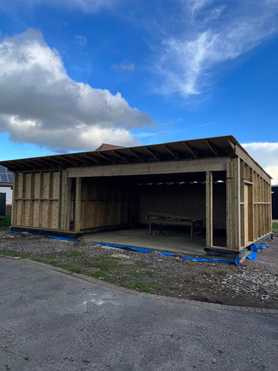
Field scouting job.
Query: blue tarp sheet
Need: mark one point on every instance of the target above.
(236, 261)
(140, 249)
(254, 249)
(54, 237)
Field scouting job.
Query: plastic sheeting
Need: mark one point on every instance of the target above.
(140, 249)
(254, 249)
(236, 261)
(53, 237)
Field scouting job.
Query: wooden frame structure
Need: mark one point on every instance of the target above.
(74, 193)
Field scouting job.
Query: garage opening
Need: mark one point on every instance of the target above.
(123, 203)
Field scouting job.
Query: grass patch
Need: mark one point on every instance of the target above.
(5, 222)
(75, 254)
(141, 286)
(76, 269)
(275, 227)
(14, 253)
(106, 266)
(136, 274)
(103, 267)
(99, 274)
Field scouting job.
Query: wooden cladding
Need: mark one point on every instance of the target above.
(37, 199)
(107, 203)
(248, 205)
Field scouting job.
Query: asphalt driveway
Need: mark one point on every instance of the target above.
(50, 320)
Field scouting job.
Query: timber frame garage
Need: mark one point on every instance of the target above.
(213, 180)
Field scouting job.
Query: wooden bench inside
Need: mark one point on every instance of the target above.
(168, 219)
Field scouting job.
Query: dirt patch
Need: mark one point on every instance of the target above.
(252, 283)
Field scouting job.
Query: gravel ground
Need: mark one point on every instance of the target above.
(252, 283)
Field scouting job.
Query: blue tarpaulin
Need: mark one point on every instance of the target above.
(236, 261)
(54, 237)
(140, 249)
(254, 249)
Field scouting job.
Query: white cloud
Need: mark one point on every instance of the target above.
(266, 154)
(210, 34)
(123, 66)
(40, 104)
(81, 40)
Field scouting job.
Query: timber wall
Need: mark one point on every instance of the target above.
(188, 200)
(107, 202)
(37, 199)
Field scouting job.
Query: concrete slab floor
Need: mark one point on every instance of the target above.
(175, 241)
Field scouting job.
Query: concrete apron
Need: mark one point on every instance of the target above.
(174, 241)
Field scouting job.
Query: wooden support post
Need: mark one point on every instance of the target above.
(40, 199)
(77, 208)
(50, 195)
(229, 208)
(209, 209)
(236, 205)
(14, 202)
(64, 201)
(243, 206)
(32, 190)
(233, 207)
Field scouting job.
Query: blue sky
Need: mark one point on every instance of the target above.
(77, 73)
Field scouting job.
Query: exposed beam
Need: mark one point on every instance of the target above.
(213, 148)
(122, 157)
(25, 164)
(192, 150)
(77, 158)
(139, 156)
(64, 158)
(152, 168)
(108, 158)
(231, 145)
(172, 152)
(54, 160)
(87, 155)
(153, 153)
(13, 166)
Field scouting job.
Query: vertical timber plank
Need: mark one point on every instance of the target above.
(229, 209)
(209, 209)
(14, 196)
(236, 205)
(77, 215)
(63, 200)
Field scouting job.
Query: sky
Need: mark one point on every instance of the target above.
(78, 73)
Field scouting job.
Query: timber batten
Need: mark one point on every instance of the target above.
(211, 179)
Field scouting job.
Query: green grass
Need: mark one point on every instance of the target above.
(5, 222)
(103, 267)
(75, 254)
(141, 286)
(275, 227)
(106, 266)
(15, 254)
(99, 274)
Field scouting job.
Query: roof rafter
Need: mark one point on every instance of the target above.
(135, 153)
(106, 157)
(213, 148)
(153, 153)
(122, 157)
(194, 152)
(90, 157)
(172, 152)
